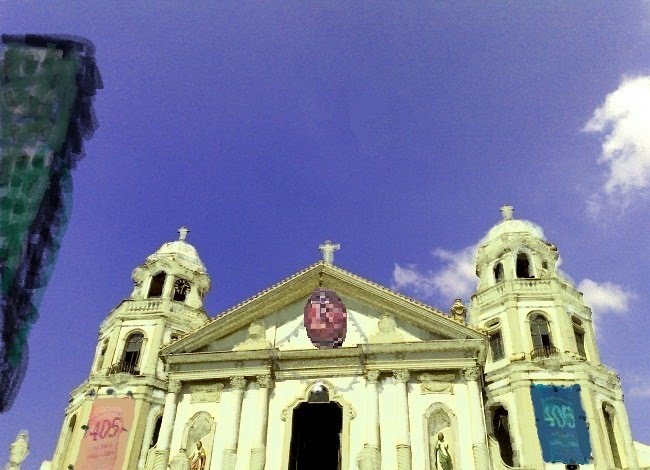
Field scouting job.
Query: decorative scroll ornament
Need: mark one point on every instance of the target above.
(325, 319)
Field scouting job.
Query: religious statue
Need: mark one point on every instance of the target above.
(458, 311)
(198, 457)
(442, 456)
(386, 331)
(18, 451)
(180, 461)
(256, 337)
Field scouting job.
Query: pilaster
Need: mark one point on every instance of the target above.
(238, 385)
(258, 452)
(403, 427)
(479, 444)
(169, 416)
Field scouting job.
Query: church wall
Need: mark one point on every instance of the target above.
(186, 410)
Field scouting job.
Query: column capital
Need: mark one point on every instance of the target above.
(401, 375)
(471, 374)
(264, 381)
(238, 382)
(174, 386)
(372, 376)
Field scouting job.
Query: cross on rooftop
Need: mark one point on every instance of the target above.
(507, 211)
(328, 249)
(182, 233)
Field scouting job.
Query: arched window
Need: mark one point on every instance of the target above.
(157, 284)
(608, 415)
(523, 266)
(496, 345)
(68, 436)
(541, 336)
(501, 428)
(156, 432)
(498, 272)
(102, 355)
(132, 353)
(579, 334)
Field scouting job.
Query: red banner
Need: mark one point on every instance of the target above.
(104, 445)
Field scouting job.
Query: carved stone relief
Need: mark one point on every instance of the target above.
(206, 393)
(386, 331)
(256, 338)
(437, 383)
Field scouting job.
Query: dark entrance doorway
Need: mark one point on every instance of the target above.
(316, 437)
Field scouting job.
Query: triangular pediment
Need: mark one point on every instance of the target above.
(279, 311)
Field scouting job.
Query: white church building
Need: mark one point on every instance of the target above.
(328, 370)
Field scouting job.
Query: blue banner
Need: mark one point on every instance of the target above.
(561, 424)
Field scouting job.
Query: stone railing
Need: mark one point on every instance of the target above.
(523, 287)
(144, 306)
(123, 368)
(544, 352)
(158, 305)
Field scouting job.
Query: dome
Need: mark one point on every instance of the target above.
(509, 225)
(182, 252)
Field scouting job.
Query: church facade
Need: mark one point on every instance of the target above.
(328, 370)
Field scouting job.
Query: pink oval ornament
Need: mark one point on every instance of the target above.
(326, 319)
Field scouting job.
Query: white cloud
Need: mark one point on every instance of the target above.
(625, 118)
(605, 297)
(455, 278)
(639, 386)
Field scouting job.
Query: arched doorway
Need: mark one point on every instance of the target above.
(316, 436)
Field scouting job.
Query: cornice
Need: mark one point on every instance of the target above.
(469, 348)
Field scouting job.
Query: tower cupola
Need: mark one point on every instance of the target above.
(514, 249)
(173, 272)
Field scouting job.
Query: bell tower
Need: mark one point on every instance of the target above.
(540, 334)
(165, 304)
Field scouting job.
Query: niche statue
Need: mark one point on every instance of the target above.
(442, 456)
(198, 457)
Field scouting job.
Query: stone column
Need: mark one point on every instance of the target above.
(370, 456)
(479, 447)
(237, 384)
(402, 421)
(258, 452)
(161, 458)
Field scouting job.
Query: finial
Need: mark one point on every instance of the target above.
(182, 233)
(328, 249)
(507, 211)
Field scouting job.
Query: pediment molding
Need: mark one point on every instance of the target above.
(301, 284)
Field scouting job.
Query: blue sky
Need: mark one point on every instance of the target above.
(394, 129)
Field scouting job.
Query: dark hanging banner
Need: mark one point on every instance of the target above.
(561, 424)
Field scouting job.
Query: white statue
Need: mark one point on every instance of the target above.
(18, 451)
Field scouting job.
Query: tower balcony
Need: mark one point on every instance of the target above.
(544, 352)
(123, 367)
